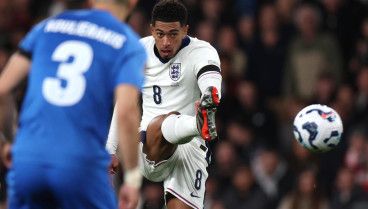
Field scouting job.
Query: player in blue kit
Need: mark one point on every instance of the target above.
(76, 63)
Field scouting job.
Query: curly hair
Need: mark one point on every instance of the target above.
(169, 11)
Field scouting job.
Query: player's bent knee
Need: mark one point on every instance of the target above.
(156, 147)
(153, 132)
(173, 112)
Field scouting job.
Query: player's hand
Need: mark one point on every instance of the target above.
(114, 164)
(128, 197)
(196, 104)
(6, 155)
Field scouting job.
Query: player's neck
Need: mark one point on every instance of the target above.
(120, 12)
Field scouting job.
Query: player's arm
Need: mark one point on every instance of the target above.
(128, 118)
(209, 75)
(19, 63)
(206, 68)
(15, 71)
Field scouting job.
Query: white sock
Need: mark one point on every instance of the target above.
(179, 129)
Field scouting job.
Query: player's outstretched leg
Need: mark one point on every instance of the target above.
(206, 113)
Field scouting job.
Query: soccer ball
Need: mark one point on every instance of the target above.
(318, 128)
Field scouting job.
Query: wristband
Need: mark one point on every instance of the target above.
(133, 177)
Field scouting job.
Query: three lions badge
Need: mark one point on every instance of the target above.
(175, 71)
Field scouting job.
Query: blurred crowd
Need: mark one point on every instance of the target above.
(277, 56)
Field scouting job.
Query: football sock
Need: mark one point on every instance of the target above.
(179, 129)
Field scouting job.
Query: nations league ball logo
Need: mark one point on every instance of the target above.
(175, 71)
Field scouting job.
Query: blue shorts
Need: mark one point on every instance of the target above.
(32, 185)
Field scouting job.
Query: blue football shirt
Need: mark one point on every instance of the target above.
(78, 59)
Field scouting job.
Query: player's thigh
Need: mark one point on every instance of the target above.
(155, 171)
(155, 146)
(86, 187)
(173, 202)
(28, 187)
(187, 180)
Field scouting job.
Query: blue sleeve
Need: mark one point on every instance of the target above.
(130, 68)
(29, 42)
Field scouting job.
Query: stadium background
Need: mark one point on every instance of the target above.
(277, 57)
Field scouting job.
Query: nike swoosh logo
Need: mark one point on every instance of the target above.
(324, 116)
(193, 195)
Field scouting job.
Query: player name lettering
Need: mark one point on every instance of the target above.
(87, 30)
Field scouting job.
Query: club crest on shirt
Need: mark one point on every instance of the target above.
(175, 71)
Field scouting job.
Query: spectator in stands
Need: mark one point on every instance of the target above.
(206, 31)
(152, 196)
(300, 159)
(360, 53)
(227, 42)
(225, 162)
(355, 154)
(272, 174)
(218, 205)
(325, 90)
(212, 191)
(311, 53)
(245, 28)
(244, 192)
(362, 94)
(249, 108)
(306, 193)
(212, 10)
(343, 18)
(138, 21)
(267, 55)
(4, 165)
(347, 194)
(243, 138)
(285, 9)
(345, 103)
(362, 175)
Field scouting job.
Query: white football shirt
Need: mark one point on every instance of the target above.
(173, 86)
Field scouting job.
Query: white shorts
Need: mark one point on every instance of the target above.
(184, 174)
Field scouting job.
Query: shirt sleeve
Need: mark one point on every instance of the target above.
(203, 56)
(130, 68)
(210, 79)
(206, 66)
(112, 138)
(28, 44)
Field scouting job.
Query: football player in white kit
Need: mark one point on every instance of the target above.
(175, 127)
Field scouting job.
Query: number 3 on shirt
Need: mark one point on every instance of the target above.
(72, 72)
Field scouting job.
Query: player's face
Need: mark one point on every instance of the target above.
(168, 37)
